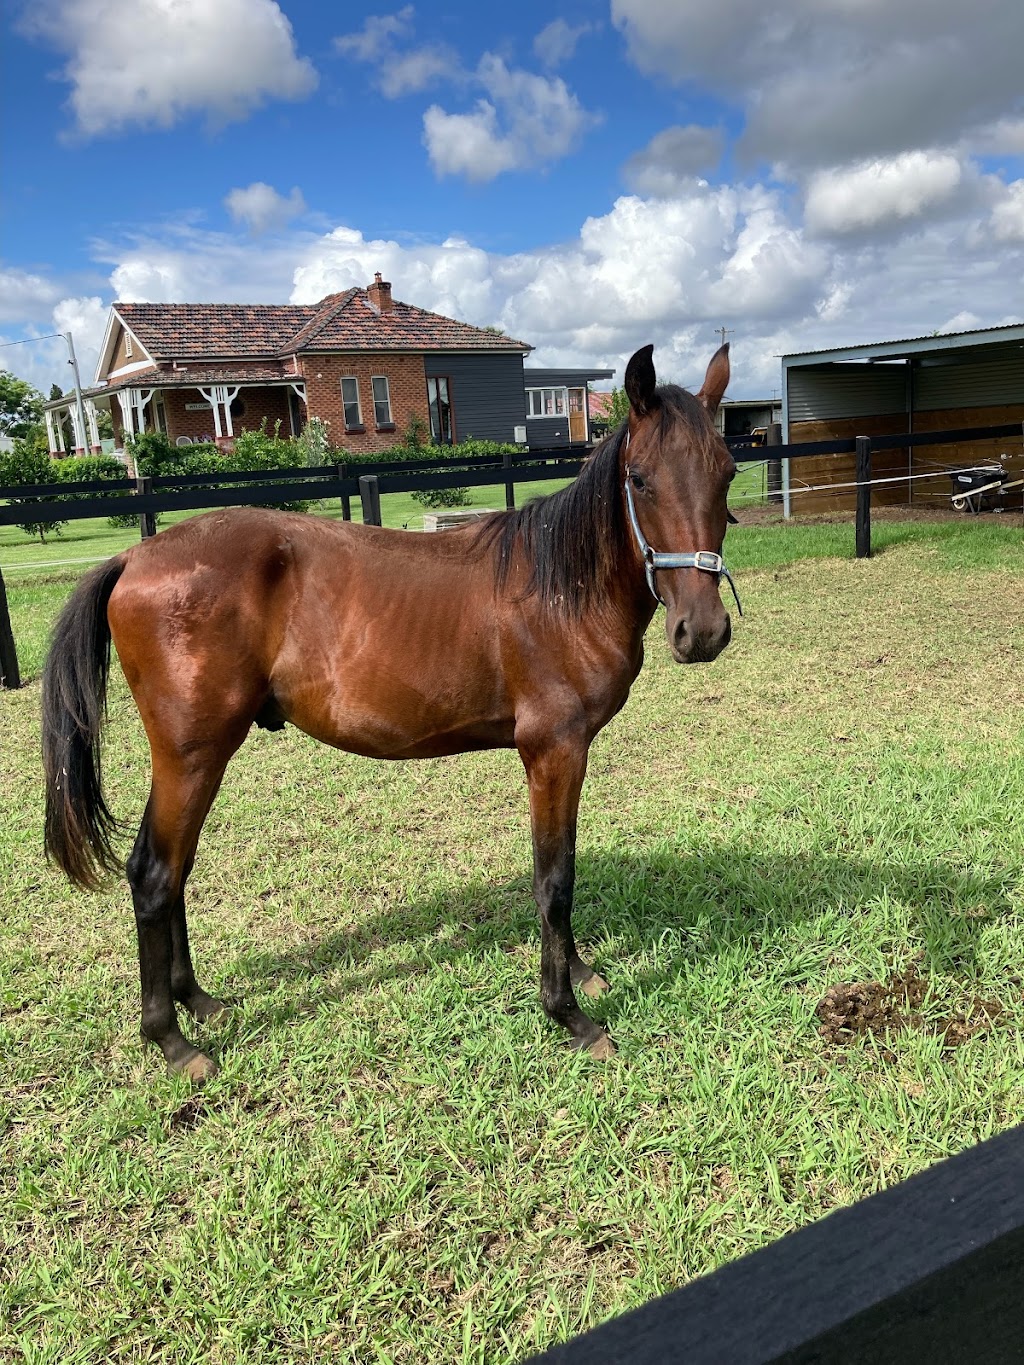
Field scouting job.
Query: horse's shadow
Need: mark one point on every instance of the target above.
(677, 908)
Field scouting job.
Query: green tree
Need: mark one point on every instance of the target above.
(21, 406)
(618, 408)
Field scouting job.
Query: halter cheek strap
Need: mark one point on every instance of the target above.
(705, 560)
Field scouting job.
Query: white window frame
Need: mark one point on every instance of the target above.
(377, 402)
(346, 403)
(535, 402)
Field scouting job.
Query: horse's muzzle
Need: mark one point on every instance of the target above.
(699, 644)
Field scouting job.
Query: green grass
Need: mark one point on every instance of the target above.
(400, 1161)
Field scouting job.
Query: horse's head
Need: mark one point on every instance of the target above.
(676, 471)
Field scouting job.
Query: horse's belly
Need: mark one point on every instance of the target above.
(384, 697)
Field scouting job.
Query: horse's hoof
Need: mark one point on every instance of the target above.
(602, 1048)
(199, 1068)
(594, 986)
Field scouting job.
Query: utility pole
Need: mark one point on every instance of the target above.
(723, 332)
(79, 404)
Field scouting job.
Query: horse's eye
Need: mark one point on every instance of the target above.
(637, 481)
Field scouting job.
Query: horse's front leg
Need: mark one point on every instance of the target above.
(555, 773)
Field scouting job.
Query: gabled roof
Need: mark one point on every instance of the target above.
(347, 321)
(198, 331)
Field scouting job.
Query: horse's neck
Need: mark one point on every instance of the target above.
(628, 608)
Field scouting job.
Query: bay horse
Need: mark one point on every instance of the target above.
(524, 631)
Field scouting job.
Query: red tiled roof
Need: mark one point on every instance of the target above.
(183, 331)
(341, 322)
(356, 325)
(189, 377)
(599, 404)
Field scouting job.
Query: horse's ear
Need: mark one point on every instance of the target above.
(641, 380)
(716, 381)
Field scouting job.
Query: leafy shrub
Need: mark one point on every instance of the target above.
(441, 497)
(27, 462)
(82, 468)
(254, 450)
(315, 442)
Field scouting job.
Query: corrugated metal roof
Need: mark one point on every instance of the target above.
(982, 336)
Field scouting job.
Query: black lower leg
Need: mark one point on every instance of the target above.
(557, 953)
(184, 986)
(154, 891)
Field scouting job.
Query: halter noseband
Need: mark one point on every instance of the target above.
(705, 560)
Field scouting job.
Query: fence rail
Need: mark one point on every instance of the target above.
(931, 1269)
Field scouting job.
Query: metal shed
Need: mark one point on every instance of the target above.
(953, 381)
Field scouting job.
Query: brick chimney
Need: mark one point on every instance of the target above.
(380, 294)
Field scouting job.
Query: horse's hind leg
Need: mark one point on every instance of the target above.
(184, 986)
(182, 791)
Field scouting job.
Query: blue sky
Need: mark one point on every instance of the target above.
(590, 177)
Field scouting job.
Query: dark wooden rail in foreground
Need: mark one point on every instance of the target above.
(931, 1270)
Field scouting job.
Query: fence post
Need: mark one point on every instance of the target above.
(774, 471)
(369, 496)
(510, 488)
(863, 497)
(346, 501)
(147, 520)
(9, 674)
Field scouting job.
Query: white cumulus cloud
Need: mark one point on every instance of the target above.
(261, 208)
(524, 122)
(894, 189)
(156, 62)
(399, 71)
(556, 42)
(1008, 215)
(25, 296)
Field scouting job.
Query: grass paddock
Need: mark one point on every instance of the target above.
(400, 1160)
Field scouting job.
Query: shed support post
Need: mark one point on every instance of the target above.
(774, 469)
(863, 497)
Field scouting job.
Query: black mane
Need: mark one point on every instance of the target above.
(571, 539)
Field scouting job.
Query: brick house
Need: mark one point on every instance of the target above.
(361, 360)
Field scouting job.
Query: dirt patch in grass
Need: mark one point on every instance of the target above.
(852, 1009)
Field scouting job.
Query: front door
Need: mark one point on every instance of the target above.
(577, 416)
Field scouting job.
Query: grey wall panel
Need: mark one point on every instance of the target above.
(487, 393)
(547, 431)
(996, 381)
(846, 391)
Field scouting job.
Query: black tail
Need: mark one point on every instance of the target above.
(79, 827)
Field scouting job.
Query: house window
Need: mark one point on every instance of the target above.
(546, 402)
(440, 403)
(350, 398)
(381, 401)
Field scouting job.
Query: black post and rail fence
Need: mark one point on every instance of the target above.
(148, 496)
